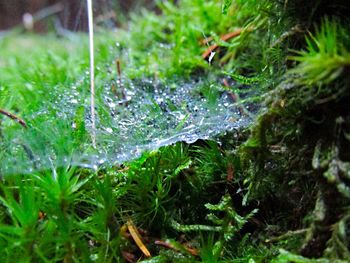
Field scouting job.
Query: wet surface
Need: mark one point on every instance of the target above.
(133, 117)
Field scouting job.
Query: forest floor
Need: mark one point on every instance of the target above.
(274, 189)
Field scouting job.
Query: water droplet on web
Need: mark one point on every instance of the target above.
(109, 130)
(152, 115)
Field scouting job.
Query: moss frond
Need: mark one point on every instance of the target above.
(326, 57)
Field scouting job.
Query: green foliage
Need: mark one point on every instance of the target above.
(245, 80)
(211, 162)
(225, 6)
(80, 133)
(338, 245)
(327, 55)
(227, 225)
(150, 184)
(286, 257)
(173, 46)
(66, 214)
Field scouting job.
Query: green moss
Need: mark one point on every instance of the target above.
(292, 169)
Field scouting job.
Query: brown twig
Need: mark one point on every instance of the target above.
(165, 245)
(226, 84)
(137, 238)
(13, 117)
(120, 82)
(129, 257)
(234, 98)
(230, 173)
(225, 37)
(232, 95)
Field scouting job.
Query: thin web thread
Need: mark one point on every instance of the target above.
(92, 72)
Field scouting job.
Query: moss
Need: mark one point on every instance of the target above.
(291, 167)
(297, 120)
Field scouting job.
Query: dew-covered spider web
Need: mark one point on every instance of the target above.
(150, 115)
(132, 116)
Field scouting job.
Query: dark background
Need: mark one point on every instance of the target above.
(72, 14)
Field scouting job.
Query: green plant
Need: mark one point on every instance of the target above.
(22, 212)
(53, 211)
(227, 226)
(150, 183)
(327, 55)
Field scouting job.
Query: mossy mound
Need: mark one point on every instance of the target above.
(276, 192)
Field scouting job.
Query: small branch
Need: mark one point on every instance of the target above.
(225, 37)
(13, 117)
(120, 81)
(48, 11)
(129, 257)
(230, 173)
(30, 19)
(294, 30)
(287, 235)
(165, 245)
